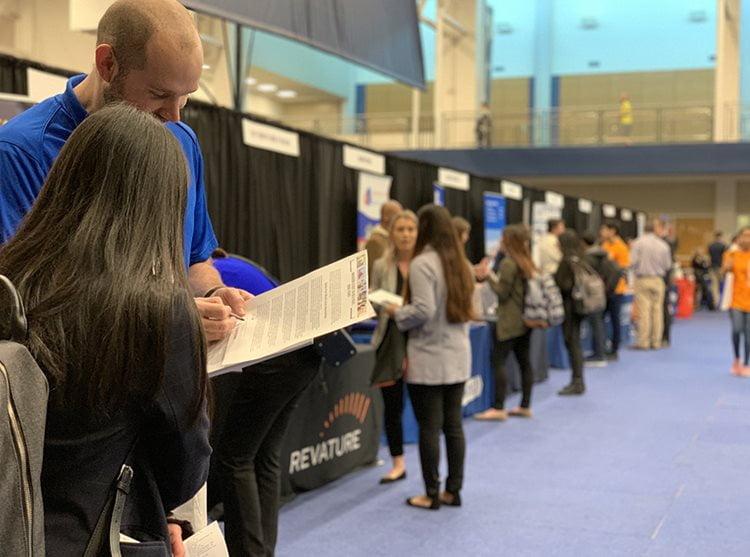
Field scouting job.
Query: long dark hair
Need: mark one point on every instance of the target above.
(99, 264)
(516, 246)
(571, 245)
(436, 230)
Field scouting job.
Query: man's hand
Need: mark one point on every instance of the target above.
(216, 311)
(175, 540)
(482, 269)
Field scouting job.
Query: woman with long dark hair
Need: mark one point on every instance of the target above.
(437, 311)
(390, 273)
(511, 334)
(99, 264)
(572, 256)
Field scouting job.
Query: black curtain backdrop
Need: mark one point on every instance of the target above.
(294, 214)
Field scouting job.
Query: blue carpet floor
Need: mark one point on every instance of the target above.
(653, 460)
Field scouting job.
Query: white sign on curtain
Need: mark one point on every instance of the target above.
(554, 199)
(626, 215)
(541, 213)
(609, 211)
(453, 179)
(359, 159)
(585, 206)
(270, 138)
(511, 190)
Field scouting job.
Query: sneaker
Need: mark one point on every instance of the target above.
(595, 362)
(572, 389)
(612, 357)
(736, 367)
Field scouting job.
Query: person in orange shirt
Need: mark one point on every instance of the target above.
(615, 246)
(738, 262)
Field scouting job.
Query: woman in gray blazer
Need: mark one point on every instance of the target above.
(437, 311)
(390, 273)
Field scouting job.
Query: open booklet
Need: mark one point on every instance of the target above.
(291, 315)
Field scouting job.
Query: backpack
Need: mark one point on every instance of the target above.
(542, 302)
(23, 396)
(588, 293)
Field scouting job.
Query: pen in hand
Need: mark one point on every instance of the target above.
(237, 317)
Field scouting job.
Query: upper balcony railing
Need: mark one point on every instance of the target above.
(548, 128)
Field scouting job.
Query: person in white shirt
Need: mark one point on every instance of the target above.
(549, 253)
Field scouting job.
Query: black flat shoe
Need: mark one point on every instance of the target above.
(572, 389)
(387, 480)
(455, 499)
(434, 505)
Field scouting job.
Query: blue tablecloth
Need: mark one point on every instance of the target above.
(480, 388)
(558, 356)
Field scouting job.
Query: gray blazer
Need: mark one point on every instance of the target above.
(385, 276)
(439, 352)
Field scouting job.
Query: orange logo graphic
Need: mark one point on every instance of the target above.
(353, 404)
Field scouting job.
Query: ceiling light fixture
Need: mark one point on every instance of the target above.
(251, 80)
(286, 94)
(206, 67)
(267, 87)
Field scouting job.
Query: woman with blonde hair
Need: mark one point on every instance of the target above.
(436, 315)
(390, 273)
(511, 334)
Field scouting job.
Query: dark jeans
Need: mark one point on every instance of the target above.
(572, 335)
(438, 407)
(500, 352)
(393, 400)
(253, 409)
(596, 322)
(614, 306)
(740, 328)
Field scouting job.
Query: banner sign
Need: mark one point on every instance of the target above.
(438, 196)
(359, 159)
(511, 190)
(333, 430)
(626, 215)
(585, 206)
(541, 213)
(494, 221)
(609, 211)
(270, 138)
(374, 191)
(453, 179)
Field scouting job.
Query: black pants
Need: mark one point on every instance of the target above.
(438, 407)
(254, 409)
(572, 335)
(500, 352)
(614, 306)
(393, 400)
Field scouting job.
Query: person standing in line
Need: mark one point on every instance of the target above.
(390, 273)
(599, 260)
(650, 261)
(511, 334)
(98, 263)
(565, 277)
(549, 247)
(148, 54)
(379, 237)
(619, 252)
(716, 251)
(252, 412)
(436, 315)
(670, 294)
(738, 262)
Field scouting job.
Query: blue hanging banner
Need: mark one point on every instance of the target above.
(373, 193)
(439, 195)
(494, 221)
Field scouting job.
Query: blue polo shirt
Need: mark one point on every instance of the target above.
(30, 143)
(241, 273)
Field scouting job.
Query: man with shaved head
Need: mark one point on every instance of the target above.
(378, 240)
(148, 54)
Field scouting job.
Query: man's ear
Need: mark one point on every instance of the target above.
(105, 61)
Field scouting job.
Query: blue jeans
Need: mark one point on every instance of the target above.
(740, 326)
(596, 322)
